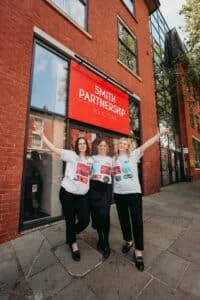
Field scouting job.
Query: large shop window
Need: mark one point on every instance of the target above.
(44, 170)
(76, 9)
(130, 5)
(127, 47)
(196, 147)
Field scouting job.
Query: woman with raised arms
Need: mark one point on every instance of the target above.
(74, 188)
(128, 197)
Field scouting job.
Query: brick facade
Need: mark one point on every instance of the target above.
(189, 113)
(99, 47)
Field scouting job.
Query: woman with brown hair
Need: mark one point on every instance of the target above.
(100, 196)
(74, 188)
(128, 196)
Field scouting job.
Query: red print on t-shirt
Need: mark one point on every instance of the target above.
(105, 170)
(116, 170)
(83, 169)
(96, 177)
(83, 179)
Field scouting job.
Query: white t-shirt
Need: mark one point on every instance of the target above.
(125, 173)
(102, 168)
(77, 172)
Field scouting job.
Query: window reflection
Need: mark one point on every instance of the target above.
(49, 88)
(127, 47)
(130, 5)
(134, 118)
(76, 9)
(43, 169)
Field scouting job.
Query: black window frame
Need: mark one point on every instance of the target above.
(120, 41)
(51, 48)
(38, 40)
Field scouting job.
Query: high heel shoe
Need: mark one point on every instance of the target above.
(75, 254)
(139, 263)
(126, 247)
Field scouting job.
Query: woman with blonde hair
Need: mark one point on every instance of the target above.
(128, 196)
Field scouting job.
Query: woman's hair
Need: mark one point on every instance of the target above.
(87, 152)
(117, 141)
(102, 140)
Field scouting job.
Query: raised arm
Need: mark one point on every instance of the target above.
(51, 146)
(153, 140)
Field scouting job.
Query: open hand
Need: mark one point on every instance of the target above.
(164, 132)
(38, 129)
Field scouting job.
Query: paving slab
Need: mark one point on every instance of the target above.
(90, 259)
(6, 252)
(49, 282)
(157, 290)
(8, 277)
(76, 291)
(90, 237)
(192, 233)
(55, 234)
(169, 268)
(115, 279)
(149, 209)
(44, 259)
(21, 290)
(191, 281)
(27, 248)
(166, 218)
(189, 250)
(160, 234)
(34, 253)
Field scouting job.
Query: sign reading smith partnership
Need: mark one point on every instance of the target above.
(95, 101)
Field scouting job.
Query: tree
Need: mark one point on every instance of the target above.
(191, 12)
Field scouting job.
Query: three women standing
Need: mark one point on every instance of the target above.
(79, 169)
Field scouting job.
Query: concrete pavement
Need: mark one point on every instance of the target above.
(38, 264)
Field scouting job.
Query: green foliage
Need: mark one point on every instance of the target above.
(191, 12)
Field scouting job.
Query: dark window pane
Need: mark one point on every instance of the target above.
(127, 38)
(127, 58)
(196, 147)
(49, 89)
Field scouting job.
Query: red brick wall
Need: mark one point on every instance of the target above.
(18, 19)
(15, 52)
(186, 130)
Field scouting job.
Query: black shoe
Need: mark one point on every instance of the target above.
(139, 263)
(106, 252)
(75, 254)
(126, 247)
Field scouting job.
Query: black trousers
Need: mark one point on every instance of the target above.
(76, 212)
(129, 208)
(100, 196)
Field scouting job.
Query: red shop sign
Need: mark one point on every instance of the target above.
(94, 101)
